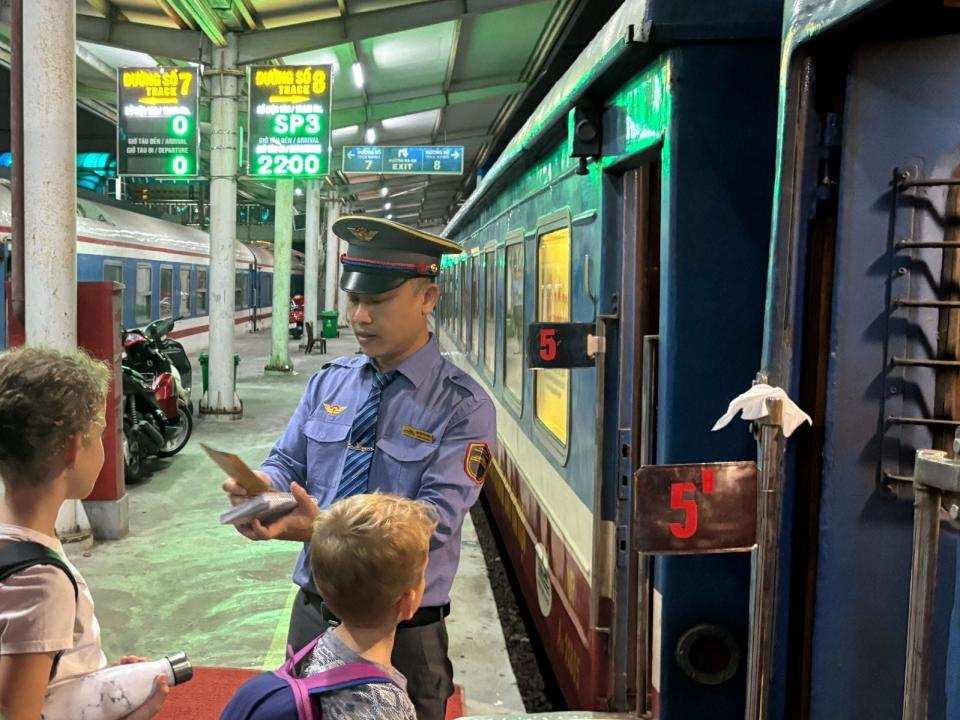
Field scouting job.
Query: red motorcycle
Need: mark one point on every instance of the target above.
(295, 320)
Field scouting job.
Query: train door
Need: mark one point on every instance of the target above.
(630, 410)
(877, 368)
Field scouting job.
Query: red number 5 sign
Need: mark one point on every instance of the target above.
(689, 509)
(548, 344)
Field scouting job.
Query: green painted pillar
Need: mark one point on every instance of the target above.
(279, 362)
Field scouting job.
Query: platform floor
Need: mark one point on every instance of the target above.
(181, 581)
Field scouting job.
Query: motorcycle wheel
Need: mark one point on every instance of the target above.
(132, 460)
(178, 441)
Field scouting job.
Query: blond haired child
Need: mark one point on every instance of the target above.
(51, 450)
(368, 556)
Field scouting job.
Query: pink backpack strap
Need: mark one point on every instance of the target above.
(346, 675)
(295, 658)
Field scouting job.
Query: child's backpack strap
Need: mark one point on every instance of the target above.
(307, 691)
(18, 556)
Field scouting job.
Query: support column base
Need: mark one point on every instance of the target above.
(278, 368)
(221, 414)
(109, 519)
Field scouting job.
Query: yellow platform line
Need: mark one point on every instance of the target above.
(277, 654)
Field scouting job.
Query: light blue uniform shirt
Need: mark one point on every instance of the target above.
(430, 416)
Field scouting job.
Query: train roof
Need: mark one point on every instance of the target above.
(805, 19)
(652, 24)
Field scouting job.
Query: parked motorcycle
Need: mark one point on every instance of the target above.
(295, 320)
(155, 422)
(150, 350)
(157, 410)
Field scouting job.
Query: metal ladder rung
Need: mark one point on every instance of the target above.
(931, 422)
(929, 182)
(910, 245)
(893, 477)
(905, 302)
(911, 362)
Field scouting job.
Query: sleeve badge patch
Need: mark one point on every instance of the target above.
(477, 462)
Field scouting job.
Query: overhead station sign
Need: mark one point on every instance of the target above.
(403, 159)
(288, 123)
(157, 130)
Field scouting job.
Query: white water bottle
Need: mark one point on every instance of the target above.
(114, 692)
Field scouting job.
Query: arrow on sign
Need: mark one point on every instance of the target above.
(352, 154)
(455, 155)
(289, 99)
(159, 101)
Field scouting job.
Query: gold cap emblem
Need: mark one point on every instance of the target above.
(362, 233)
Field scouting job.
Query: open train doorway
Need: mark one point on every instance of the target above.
(630, 432)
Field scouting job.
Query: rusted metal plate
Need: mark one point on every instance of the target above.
(693, 509)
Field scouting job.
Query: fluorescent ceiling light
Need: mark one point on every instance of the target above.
(384, 191)
(389, 216)
(387, 206)
(349, 130)
(297, 191)
(411, 122)
(357, 75)
(370, 136)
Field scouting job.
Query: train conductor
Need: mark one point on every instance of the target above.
(400, 418)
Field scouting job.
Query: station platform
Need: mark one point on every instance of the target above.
(182, 582)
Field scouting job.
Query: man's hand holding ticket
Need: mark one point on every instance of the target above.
(244, 484)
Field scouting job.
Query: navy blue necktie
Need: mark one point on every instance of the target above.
(363, 439)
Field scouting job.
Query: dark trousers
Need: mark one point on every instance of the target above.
(420, 653)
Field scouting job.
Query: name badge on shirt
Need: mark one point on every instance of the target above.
(416, 434)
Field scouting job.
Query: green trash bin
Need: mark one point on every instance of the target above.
(329, 320)
(205, 373)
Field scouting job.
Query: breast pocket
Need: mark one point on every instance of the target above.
(402, 461)
(326, 447)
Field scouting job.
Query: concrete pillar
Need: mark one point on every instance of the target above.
(221, 399)
(332, 212)
(49, 188)
(50, 172)
(279, 362)
(311, 280)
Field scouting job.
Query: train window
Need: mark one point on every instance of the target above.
(475, 306)
(241, 290)
(184, 292)
(166, 291)
(552, 387)
(513, 321)
(113, 272)
(489, 314)
(201, 291)
(144, 289)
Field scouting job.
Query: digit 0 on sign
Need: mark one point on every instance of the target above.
(180, 165)
(180, 125)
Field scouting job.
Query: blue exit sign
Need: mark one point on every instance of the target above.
(403, 159)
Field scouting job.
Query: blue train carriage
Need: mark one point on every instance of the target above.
(860, 329)
(663, 244)
(165, 269)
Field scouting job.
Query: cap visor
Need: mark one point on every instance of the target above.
(370, 283)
